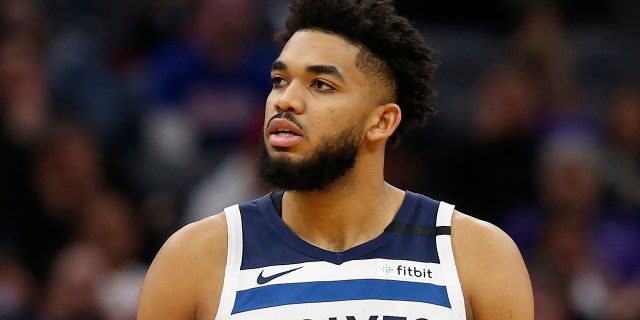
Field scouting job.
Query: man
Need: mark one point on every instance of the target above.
(339, 242)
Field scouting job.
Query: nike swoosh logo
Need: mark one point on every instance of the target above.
(262, 279)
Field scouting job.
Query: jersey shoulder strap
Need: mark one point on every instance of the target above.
(234, 259)
(449, 269)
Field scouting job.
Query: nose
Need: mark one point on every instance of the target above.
(290, 99)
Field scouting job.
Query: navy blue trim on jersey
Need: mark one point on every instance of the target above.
(325, 291)
(261, 221)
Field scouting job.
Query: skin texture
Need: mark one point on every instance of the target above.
(185, 279)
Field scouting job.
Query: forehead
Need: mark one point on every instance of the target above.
(309, 47)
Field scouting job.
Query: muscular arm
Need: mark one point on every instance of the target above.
(494, 277)
(185, 279)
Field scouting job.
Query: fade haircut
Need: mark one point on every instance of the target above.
(391, 49)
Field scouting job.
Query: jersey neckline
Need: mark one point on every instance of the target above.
(275, 222)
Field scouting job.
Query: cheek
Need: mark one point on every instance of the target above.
(330, 120)
(269, 109)
(336, 121)
(269, 103)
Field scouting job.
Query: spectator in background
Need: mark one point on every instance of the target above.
(540, 46)
(622, 155)
(234, 180)
(82, 78)
(621, 174)
(18, 292)
(110, 224)
(24, 18)
(204, 89)
(84, 81)
(531, 87)
(580, 251)
(207, 81)
(26, 102)
(72, 291)
(25, 113)
(506, 115)
(66, 171)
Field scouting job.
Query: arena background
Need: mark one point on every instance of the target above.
(121, 121)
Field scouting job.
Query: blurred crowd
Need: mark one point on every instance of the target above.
(121, 121)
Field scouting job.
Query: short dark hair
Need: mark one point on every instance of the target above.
(375, 26)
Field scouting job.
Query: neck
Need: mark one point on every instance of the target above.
(346, 214)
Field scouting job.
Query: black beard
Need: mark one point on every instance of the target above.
(314, 172)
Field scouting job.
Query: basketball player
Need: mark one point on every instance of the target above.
(339, 242)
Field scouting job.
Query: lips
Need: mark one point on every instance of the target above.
(283, 133)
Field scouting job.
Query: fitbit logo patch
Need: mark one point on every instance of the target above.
(386, 269)
(405, 271)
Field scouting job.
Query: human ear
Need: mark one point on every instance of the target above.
(383, 121)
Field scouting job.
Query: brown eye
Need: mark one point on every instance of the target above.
(321, 85)
(277, 81)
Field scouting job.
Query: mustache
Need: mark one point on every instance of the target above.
(287, 116)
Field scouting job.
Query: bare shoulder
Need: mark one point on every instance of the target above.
(494, 278)
(185, 278)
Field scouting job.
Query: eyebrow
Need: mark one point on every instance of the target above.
(315, 69)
